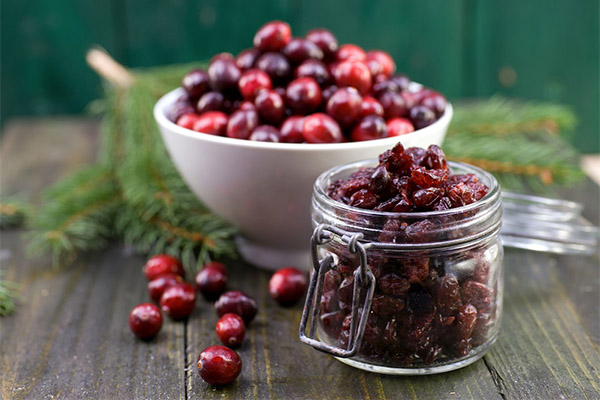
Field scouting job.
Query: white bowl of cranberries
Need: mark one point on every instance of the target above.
(252, 133)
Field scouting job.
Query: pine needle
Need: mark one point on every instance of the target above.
(9, 294)
(13, 212)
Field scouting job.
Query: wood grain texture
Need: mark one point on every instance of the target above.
(70, 338)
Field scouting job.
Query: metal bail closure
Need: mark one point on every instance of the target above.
(364, 284)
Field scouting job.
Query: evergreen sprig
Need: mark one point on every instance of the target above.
(13, 212)
(9, 294)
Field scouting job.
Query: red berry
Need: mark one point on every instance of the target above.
(326, 41)
(269, 105)
(328, 92)
(195, 83)
(291, 130)
(399, 126)
(298, 50)
(422, 116)
(370, 106)
(380, 63)
(353, 73)
(178, 300)
(241, 124)
(156, 287)
(188, 120)
(247, 106)
(182, 106)
(435, 102)
(219, 365)
(211, 101)
(371, 127)
(238, 303)
(162, 264)
(231, 330)
(272, 36)
(351, 52)
(394, 105)
(222, 56)
(212, 122)
(287, 286)
(145, 320)
(345, 106)
(211, 282)
(314, 69)
(247, 58)
(252, 81)
(276, 66)
(223, 74)
(265, 133)
(321, 128)
(303, 95)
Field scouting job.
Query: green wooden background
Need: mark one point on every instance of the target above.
(535, 49)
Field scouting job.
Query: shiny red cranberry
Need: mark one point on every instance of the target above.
(178, 300)
(211, 282)
(211, 101)
(394, 105)
(145, 321)
(219, 365)
(247, 106)
(402, 81)
(276, 66)
(180, 108)
(345, 106)
(224, 74)
(314, 69)
(241, 124)
(384, 86)
(351, 52)
(162, 264)
(253, 81)
(222, 56)
(435, 102)
(399, 126)
(353, 73)
(238, 303)
(246, 59)
(212, 122)
(195, 83)
(370, 106)
(422, 116)
(272, 36)
(326, 41)
(421, 94)
(188, 120)
(270, 106)
(303, 95)
(380, 63)
(231, 330)
(321, 128)
(157, 287)
(371, 127)
(291, 130)
(328, 92)
(265, 133)
(287, 286)
(298, 50)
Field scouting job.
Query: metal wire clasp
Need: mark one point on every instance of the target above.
(363, 280)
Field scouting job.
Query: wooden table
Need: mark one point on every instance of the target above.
(70, 338)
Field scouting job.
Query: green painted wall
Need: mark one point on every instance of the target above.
(535, 49)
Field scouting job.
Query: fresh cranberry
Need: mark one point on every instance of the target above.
(231, 330)
(421, 94)
(314, 69)
(178, 300)
(188, 120)
(345, 106)
(370, 106)
(326, 41)
(434, 101)
(211, 282)
(270, 106)
(291, 130)
(384, 86)
(224, 74)
(371, 127)
(298, 50)
(162, 264)
(195, 83)
(265, 133)
(287, 286)
(212, 122)
(252, 81)
(211, 101)
(422, 116)
(394, 105)
(272, 36)
(353, 73)
(156, 287)
(321, 128)
(222, 56)
(401, 81)
(380, 63)
(399, 126)
(246, 59)
(219, 365)
(276, 66)
(180, 108)
(241, 124)
(238, 303)
(351, 52)
(247, 106)
(328, 92)
(232, 104)
(303, 95)
(145, 321)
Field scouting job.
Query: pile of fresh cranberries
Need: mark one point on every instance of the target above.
(296, 90)
(217, 365)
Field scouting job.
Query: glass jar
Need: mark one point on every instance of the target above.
(404, 293)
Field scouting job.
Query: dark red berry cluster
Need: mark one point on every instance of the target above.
(426, 308)
(296, 90)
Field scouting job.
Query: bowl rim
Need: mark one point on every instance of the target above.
(166, 101)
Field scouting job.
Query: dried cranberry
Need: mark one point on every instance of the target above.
(465, 321)
(219, 365)
(478, 295)
(238, 303)
(363, 199)
(231, 330)
(145, 321)
(393, 284)
(435, 158)
(162, 264)
(178, 300)
(211, 282)
(426, 178)
(157, 286)
(272, 36)
(287, 286)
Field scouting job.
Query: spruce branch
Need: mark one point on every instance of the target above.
(9, 294)
(13, 212)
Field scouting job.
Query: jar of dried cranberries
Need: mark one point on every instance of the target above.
(407, 293)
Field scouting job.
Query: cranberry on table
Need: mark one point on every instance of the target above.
(145, 321)
(422, 116)
(370, 128)
(211, 282)
(370, 106)
(219, 365)
(303, 95)
(238, 303)
(313, 69)
(345, 106)
(291, 130)
(252, 81)
(223, 74)
(272, 36)
(353, 73)
(247, 58)
(399, 126)
(195, 83)
(435, 102)
(380, 63)
(394, 105)
(231, 330)
(265, 133)
(351, 52)
(298, 50)
(211, 122)
(162, 264)
(157, 286)
(276, 66)
(188, 120)
(270, 106)
(211, 101)
(287, 286)
(242, 123)
(321, 128)
(178, 300)
(326, 41)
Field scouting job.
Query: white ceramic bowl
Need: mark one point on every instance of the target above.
(264, 189)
